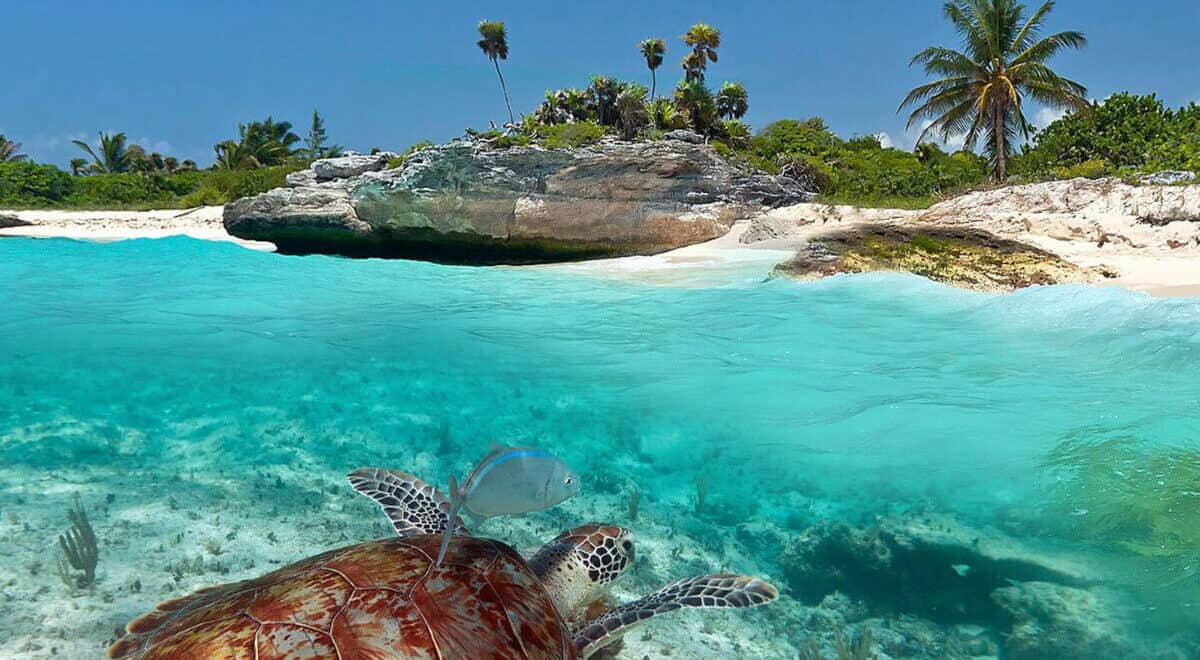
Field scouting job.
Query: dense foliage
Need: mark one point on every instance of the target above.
(860, 170)
(1124, 134)
(33, 185)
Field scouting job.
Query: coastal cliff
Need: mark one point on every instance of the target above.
(472, 202)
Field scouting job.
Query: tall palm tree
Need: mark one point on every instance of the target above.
(114, 155)
(732, 101)
(704, 40)
(494, 44)
(981, 89)
(653, 50)
(8, 151)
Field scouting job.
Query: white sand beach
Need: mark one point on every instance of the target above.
(202, 223)
(1089, 223)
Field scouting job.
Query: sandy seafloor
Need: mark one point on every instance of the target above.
(207, 507)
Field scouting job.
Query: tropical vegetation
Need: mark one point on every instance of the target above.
(10, 151)
(118, 174)
(653, 50)
(979, 94)
(494, 43)
(1127, 134)
(980, 90)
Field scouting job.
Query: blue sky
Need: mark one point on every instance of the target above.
(178, 76)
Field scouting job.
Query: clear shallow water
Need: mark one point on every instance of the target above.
(844, 399)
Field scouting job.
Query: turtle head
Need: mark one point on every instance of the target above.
(578, 567)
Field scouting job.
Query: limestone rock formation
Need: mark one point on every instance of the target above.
(964, 257)
(470, 202)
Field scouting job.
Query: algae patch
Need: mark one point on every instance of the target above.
(967, 258)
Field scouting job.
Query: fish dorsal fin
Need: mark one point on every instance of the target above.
(722, 590)
(413, 506)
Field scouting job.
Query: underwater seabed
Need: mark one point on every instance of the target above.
(924, 472)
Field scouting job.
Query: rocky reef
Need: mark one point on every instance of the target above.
(964, 257)
(472, 202)
(988, 593)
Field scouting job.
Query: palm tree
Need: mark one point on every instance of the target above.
(269, 142)
(653, 50)
(494, 44)
(696, 103)
(704, 40)
(79, 166)
(8, 151)
(732, 101)
(114, 156)
(981, 89)
(232, 155)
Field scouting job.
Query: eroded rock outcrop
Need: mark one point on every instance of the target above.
(469, 202)
(959, 256)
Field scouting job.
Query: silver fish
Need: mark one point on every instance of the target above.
(510, 481)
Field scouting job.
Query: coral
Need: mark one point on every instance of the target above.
(635, 496)
(848, 647)
(701, 494)
(79, 550)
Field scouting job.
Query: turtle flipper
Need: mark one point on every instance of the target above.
(723, 590)
(413, 506)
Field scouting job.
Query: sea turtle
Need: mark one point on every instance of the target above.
(388, 599)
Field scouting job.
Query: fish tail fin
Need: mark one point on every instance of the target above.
(456, 503)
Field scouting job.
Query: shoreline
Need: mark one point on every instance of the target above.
(201, 223)
(748, 252)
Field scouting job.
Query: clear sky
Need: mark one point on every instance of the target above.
(178, 75)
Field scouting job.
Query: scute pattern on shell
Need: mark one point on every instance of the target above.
(383, 599)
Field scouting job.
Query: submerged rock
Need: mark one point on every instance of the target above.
(468, 202)
(958, 256)
(931, 566)
(1055, 621)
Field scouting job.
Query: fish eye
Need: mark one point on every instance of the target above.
(567, 481)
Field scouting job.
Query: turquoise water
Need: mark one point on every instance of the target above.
(840, 400)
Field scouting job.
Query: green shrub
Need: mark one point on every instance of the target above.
(224, 186)
(26, 184)
(1126, 131)
(115, 190)
(1092, 169)
(789, 136)
(578, 134)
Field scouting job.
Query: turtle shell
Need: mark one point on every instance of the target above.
(383, 599)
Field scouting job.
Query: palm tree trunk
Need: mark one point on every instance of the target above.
(504, 88)
(1000, 146)
(653, 83)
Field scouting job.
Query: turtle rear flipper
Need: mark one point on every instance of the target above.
(723, 590)
(413, 506)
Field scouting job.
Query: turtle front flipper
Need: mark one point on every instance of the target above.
(413, 506)
(724, 590)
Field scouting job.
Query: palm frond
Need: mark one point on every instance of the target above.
(1051, 46)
